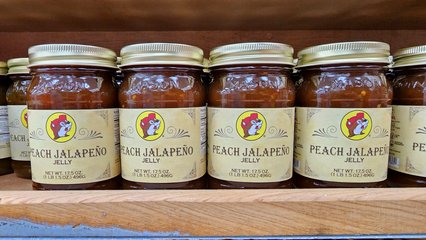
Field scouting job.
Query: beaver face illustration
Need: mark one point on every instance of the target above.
(60, 126)
(150, 125)
(251, 125)
(357, 124)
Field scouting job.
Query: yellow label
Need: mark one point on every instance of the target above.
(163, 145)
(342, 144)
(4, 133)
(408, 140)
(250, 145)
(74, 146)
(18, 128)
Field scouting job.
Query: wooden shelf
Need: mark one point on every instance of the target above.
(155, 15)
(207, 24)
(222, 212)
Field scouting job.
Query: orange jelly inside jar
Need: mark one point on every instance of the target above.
(18, 118)
(251, 116)
(162, 117)
(343, 116)
(407, 162)
(73, 118)
(5, 160)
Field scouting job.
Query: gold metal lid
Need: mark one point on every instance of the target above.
(252, 53)
(295, 63)
(411, 56)
(18, 66)
(118, 61)
(3, 68)
(206, 64)
(161, 54)
(71, 55)
(344, 52)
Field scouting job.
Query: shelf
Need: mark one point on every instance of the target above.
(222, 212)
(207, 24)
(155, 15)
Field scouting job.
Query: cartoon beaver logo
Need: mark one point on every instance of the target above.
(251, 125)
(60, 127)
(356, 125)
(150, 125)
(24, 117)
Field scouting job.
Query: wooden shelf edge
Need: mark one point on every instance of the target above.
(266, 212)
(227, 212)
(214, 196)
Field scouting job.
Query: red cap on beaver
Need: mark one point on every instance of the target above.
(150, 117)
(61, 118)
(246, 121)
(353, 119)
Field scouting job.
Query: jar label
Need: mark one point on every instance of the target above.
(342, 144)
(18, 127)
(163, 145)
(4, 134)
(408, 140)
(250, 145)
(74, 146)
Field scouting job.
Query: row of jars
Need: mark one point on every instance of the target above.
(338, 129)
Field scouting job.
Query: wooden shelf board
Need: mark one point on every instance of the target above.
(207, 24)
(223, 212)
(137, 15)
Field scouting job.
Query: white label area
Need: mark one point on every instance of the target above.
(250, 145)
(4, 133)
(342, 144)
(408, 141)
(163, 145)
(74, 146)
(18, 127)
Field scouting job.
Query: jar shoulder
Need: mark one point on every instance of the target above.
(162, 89)
(410, 88)
(72, 90)
(344, 88)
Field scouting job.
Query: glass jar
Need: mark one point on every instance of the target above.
(162, 117)
(251, 116)
(16, 96)
(343, 116)
(5, 160)
(407, 161)
(73, 118)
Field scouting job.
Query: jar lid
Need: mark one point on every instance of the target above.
(161, 54)
(344, 52)
(118, 62)
(412, 56)
(3, 68)
(252, 53)
(18, 66)
(71, 55)
(206, 64)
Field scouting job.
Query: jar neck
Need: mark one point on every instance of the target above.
(20, 77)
(161, 68)
(410, 70)
(252, 68)
(69, 69)
(344, 67)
